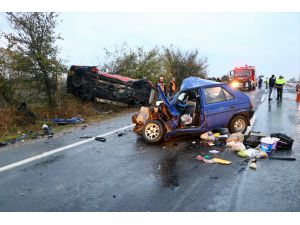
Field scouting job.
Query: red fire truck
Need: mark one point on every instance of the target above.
(243, 78)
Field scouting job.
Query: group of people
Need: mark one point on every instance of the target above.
(272, 83)
(170, 91)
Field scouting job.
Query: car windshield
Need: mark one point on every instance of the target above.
(242, 73)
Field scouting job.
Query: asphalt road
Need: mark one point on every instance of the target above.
(125, 174)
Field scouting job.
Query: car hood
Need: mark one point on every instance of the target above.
(171, 108)
(194, 82)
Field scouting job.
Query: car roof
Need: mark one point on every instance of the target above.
(195, 82)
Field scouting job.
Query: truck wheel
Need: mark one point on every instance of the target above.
(238, 124)
(153, 132)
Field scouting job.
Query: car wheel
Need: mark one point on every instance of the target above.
(238, 124)
(153, 132)
(78, 81)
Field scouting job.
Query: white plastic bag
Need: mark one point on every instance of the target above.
(238, 146)
(252, 152)
(186, 119)
(235, 137)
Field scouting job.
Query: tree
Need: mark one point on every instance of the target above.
(33, 42)
(165, 61)
(134, 63)
(182, 64)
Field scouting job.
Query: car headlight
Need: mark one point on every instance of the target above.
(234, 84)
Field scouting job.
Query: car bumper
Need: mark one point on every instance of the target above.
(251, 113)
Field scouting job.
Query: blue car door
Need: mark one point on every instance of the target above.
(219, 106)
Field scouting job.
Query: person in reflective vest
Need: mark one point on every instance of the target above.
(163, 88)
(172, 87)
(279, 86)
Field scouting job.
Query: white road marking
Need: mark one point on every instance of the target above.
(263, 97)
(45, 154)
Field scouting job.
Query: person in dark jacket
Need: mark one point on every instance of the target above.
(271, 85)
(260, 81)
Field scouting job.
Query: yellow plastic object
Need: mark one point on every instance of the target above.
(221, 161)
(216, 135)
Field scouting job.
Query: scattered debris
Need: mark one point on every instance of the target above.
(284, 142)
(206, 157)
(46, 130)
(236, 146)
(102, 139)
(202, 159)
(2, 144)
(214, 151)
(208, 136)
(283, 158)
(266, 144)
(253, 164)
(73, 120)
(85, 136)
(221, 161)
(235, 137)
(194, 142)
(83, 127)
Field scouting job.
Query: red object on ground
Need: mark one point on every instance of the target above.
(117, 77)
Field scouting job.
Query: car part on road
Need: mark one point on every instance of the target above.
(282, 158)
(85, 137)
(102, 139)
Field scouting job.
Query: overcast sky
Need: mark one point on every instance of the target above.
(268, 41)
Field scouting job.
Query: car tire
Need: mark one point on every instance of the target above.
(153, 132)
(238, 124)
(78, 81)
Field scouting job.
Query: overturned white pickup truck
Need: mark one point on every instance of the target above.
(88, 83)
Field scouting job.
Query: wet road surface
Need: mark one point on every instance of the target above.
(125, 174)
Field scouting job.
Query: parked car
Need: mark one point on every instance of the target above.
(87, 82)
(209, 105)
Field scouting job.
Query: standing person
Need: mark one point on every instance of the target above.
(163, 88)
(260, 80)
(279, 85)
(266, 82)
(271, 85)
(172, 87)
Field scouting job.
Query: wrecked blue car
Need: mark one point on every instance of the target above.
(200, 106)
